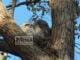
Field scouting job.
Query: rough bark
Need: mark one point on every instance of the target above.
(9, 29)
(63, 15)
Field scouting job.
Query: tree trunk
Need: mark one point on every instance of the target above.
(63, 15)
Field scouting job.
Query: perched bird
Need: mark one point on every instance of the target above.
(40, 32)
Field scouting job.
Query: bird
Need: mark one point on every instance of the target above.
(40, 32)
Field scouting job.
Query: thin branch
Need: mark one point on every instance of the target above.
(25, 3)
(12, 8)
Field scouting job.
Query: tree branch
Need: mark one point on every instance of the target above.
(14, 2)
(9, 30)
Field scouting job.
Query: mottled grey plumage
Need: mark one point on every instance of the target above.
(40, 32)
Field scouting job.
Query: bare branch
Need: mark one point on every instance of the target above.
(12, 8)
(24, 3)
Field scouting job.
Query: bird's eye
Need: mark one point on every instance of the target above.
(2, 53)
